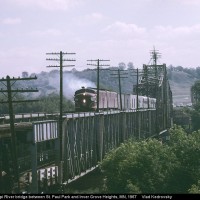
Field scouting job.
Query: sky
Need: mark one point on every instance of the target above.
(114, 30)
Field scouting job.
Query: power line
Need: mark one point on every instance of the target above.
(9, 93)
(98, 68)
(119, 76)
(60, 59)
(155, 55)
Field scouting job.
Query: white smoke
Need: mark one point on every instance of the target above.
(71, 83)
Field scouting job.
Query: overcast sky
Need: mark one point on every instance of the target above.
(117, 30)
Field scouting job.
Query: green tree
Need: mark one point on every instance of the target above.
(48, 104)
(187, 150)
(122, 66)
(130, 66)
(195, 92)
(139, 167)
(195, 189)
(195, 117)
(152, 167)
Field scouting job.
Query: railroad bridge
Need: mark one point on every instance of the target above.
(43, 160)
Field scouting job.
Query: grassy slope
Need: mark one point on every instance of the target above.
(181, 83)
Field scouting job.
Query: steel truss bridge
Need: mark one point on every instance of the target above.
(45, 160)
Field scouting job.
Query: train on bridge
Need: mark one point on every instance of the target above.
(38, 156)
(86, 100)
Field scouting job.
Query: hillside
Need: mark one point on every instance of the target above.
(48, 82)
(181, 83)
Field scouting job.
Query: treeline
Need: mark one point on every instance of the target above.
(46, 104)
(193, 72)
(154, 167)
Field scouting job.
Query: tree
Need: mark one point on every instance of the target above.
(179, 68)
(138, 167)
(48, 104)
(152, 167)
(130, 66)
(187, 150)
(24, 74)
(122, 66)
(195, 118)
(74, 70)
(198, 72)
(195, 92)
(171, 67)
(195, 189)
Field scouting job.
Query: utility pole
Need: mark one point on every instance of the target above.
(137, 73)
(98, 68)
(137, 88)
(154, 56)
(146, 77)
(60, 59)
(119, 76)
(10, 93)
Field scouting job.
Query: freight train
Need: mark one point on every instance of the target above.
(86, 100)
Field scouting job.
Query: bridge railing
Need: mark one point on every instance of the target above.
(88, 137)
(28, 117)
